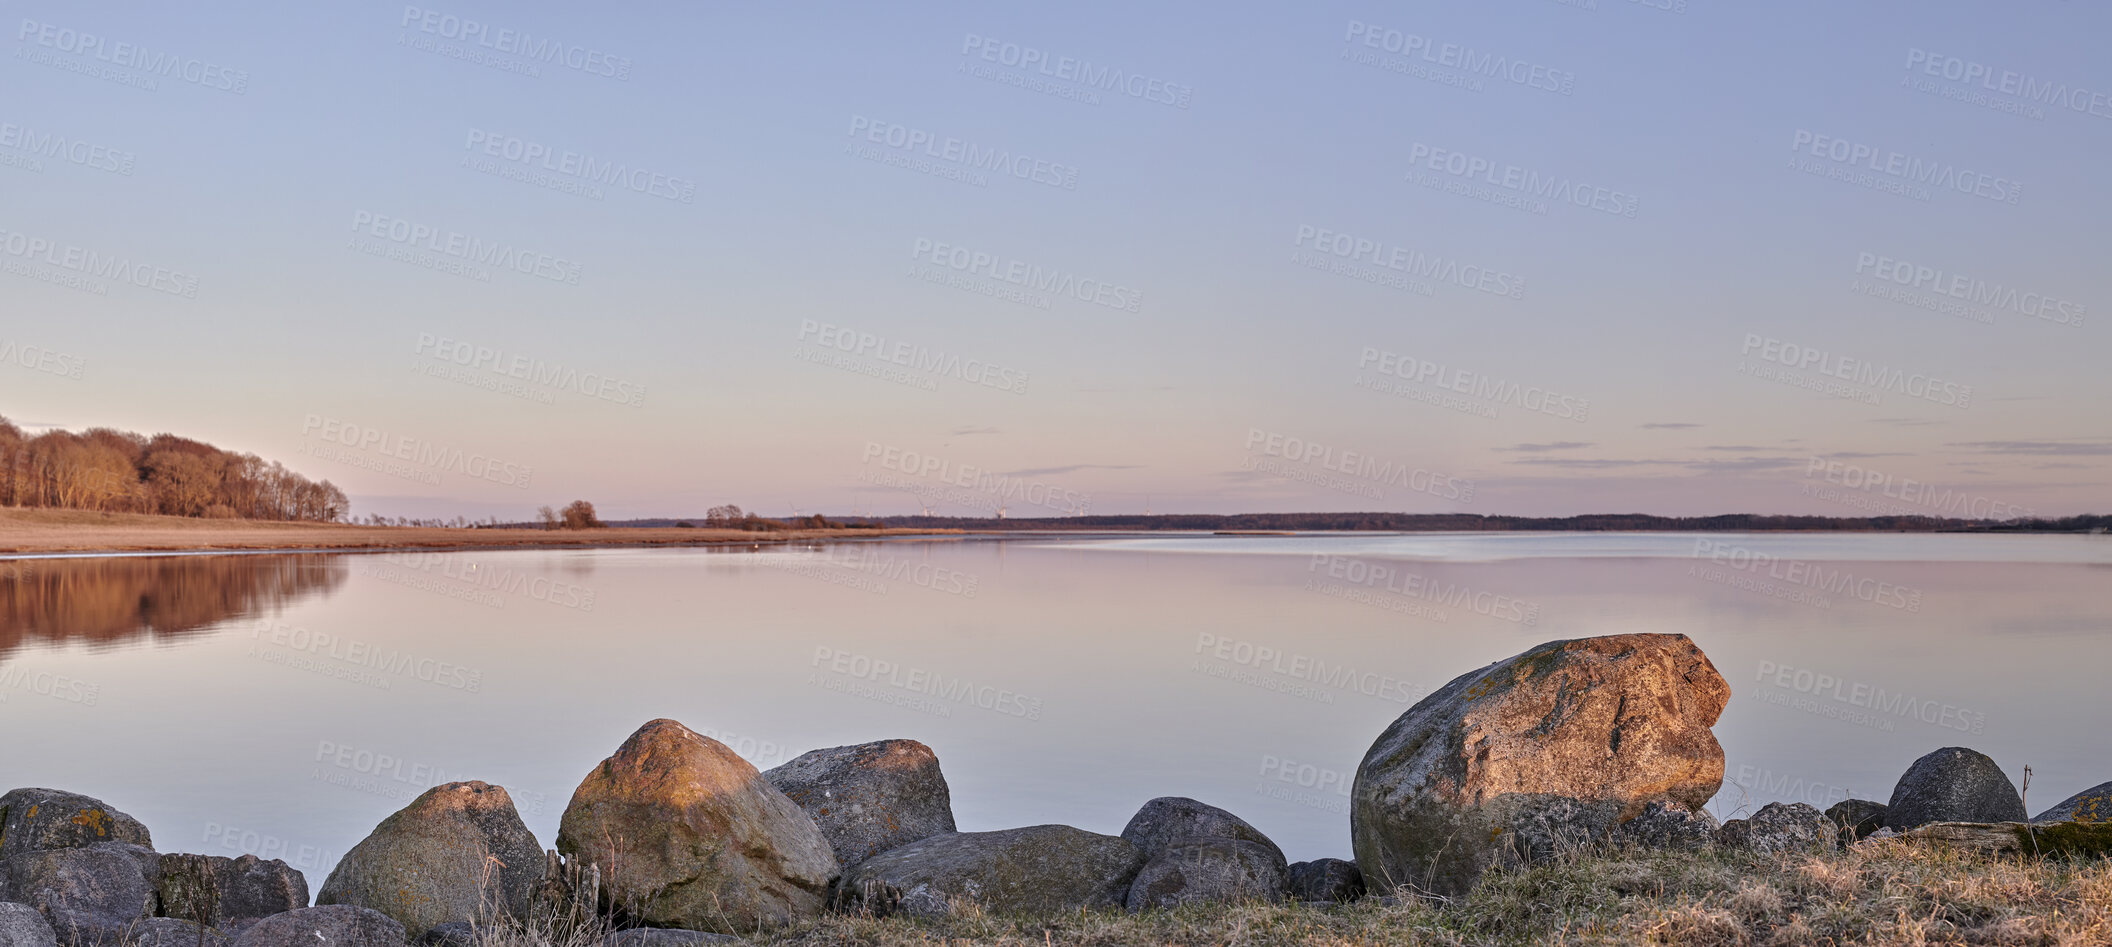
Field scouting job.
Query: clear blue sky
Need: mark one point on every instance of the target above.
(1709, 353)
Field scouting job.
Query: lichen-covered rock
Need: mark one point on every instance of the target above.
(1670, 826)
(1532, 754)
(870, 797)
(22, 926)
(687, 834)
(1734, 834)
(1325, 879)
(90, 894)
(1789, 827)
(334, 925)
(1037, 870)
(426, 864)
(2091, 805)
(172, 932)
(1857, 818)
(664, 937)
(1953, 784)
(242, 889)
(1208, 870)
(1171, 820)
(34, 820)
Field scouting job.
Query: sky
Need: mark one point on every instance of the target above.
(1502, 256)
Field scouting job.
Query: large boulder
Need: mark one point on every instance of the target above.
(230, 893)
(1169, 820)
(1670, 826)
(426, 864)
(870, 797)
(1953, 784)
(1535, 753)
(1785, 827)
(687, 834)
(1212, 870)
(91, 894)
(22, 926)
(1038, 870)
(334, 925)
(35, 820)
(1326, 879)
(2091, 805)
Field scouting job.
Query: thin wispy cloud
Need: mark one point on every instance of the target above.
(1541, 448)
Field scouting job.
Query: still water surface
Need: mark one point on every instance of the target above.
(284, 704)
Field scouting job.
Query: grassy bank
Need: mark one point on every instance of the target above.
(79, 531)
(1879, 893)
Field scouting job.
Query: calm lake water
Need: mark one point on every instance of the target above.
(284, 704)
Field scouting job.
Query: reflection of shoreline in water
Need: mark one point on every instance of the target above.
(108, 601)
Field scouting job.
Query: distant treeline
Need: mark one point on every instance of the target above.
(1466, 522)
(121, 472)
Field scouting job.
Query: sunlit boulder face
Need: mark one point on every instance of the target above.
(455, 853)
(688, 835)
(1551, 748)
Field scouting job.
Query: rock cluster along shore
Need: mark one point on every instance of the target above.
(676, 840)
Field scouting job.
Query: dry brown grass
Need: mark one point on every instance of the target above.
(1883, 893)
(43, 531)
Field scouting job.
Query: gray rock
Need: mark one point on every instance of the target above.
(1534, 754)
(2091, 805)
(687, 834)
(426, 864)
(242, 890)
(33, 820)
(870, 797)
(1734, 834)
(22, 926)
(1038, 870)
(1325, 879)
(449, 934)
(334, 925)
(91, 895)
(1953, 784)
(1171, 820)
(1213, 870)
(1857, 818)
(171, 932)
(1670, 826)
(1789, 827)
(664, 937)
(1881, 834)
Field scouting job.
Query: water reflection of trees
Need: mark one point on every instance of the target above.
(105, 602)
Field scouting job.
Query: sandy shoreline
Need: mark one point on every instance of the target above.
(46, 532)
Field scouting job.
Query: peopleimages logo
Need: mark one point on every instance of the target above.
(964, 154)
(1796, 572)
(415, 451)
(516, 43)
(1021, 273)
(1978, 292)
(1903, 170)
(583, 169)
(133, 56)
(449, 243)
(1464, 59)
(1871, 375)
(1084, 72)
(1354, 465)
(1415, 263)
(1522, 184)
(2030, 89)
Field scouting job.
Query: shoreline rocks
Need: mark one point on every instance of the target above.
(1037, 870)
(1536, 753)
(1953, 784)
(870, 797)
(428, 863)
(687, 834)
